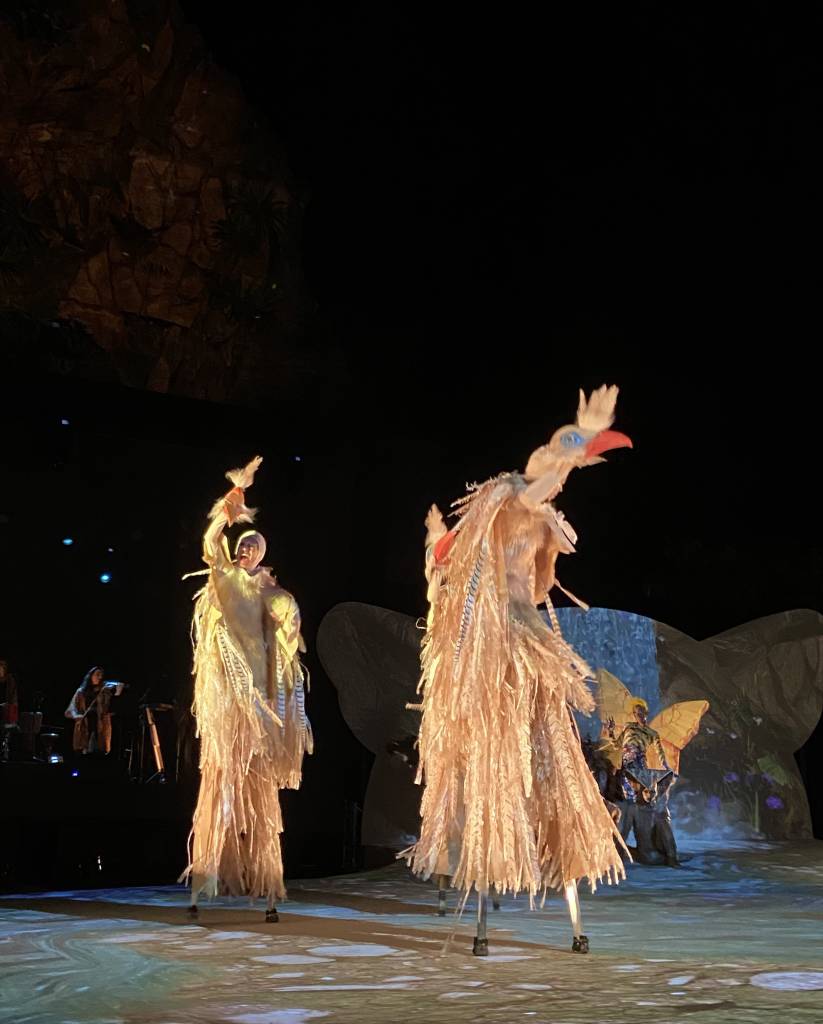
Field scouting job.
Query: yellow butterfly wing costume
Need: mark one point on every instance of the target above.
(675, 725)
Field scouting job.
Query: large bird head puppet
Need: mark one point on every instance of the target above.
(582, 443)
(579, 444)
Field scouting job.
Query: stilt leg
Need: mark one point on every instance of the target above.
(443, 882)
(495, 898)
(272, 917)
(198, 883)
(580, 942)
(481, 943)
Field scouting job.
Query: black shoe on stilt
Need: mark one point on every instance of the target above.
(580, 944)
(272, 917)
(192, 911)
(480, 947)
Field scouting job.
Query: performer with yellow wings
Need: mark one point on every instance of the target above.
(646, 757)
(509, 801)
(249, 706)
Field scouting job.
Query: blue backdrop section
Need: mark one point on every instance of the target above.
(623, 643)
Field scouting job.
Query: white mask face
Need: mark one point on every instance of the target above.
(247, 554)
(250, 550)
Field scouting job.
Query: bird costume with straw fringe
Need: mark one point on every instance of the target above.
(509, 801)
(250, 711)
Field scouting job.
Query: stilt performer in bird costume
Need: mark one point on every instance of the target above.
(509, 801)
(249, 706)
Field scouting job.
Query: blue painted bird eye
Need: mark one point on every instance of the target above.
(571, 439)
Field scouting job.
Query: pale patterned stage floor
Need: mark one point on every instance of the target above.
(731, 937)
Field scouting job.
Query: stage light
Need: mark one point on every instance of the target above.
(110, 550)
(298, 458)
(64, 423)
(105, 577)
(68, 541)
(75, 774)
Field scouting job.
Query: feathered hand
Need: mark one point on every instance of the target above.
(232, 505)
(435, 527)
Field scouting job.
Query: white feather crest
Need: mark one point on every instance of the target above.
(598, 412)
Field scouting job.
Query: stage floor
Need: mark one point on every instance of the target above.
(733, 936)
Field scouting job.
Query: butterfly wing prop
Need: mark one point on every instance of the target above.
(676, 725)
(613, 702)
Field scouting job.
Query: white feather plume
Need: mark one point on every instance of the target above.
(597, 413)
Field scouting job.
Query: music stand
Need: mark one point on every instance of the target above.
(149, 725)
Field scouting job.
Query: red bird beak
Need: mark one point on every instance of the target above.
(605, 441)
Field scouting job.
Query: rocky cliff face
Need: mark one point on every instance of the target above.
(142, 201)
